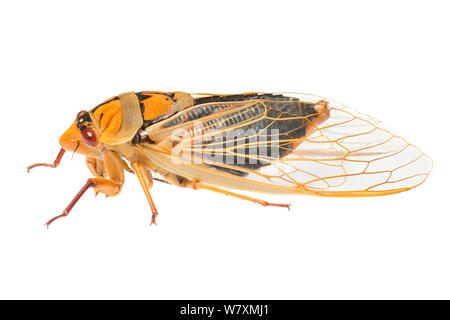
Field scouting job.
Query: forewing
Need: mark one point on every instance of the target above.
(299, 144)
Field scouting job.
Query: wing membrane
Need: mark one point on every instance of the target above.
(298, 143)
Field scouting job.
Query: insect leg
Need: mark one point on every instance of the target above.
(97, 167)
(198, 185)
(145, 179)
(171, 178)
(160, 180)
(51, 165)
(126, 167)
(103, 185)
(66, 211)
(111, 166)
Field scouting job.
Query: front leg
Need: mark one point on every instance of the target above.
(99, 184)
(112, 164)
(50, 165)
(96, 167)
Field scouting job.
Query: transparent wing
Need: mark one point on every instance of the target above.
(297, 143)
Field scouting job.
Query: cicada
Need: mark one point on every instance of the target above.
(259, 142)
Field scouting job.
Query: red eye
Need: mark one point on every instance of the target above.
(89, 137)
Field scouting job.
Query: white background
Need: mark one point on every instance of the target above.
(389, 59)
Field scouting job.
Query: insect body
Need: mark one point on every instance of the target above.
(262, 142)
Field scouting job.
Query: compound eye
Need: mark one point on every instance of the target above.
(89, 137)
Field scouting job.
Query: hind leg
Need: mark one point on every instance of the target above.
(198, 185)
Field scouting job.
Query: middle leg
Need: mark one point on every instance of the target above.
(145, 179)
